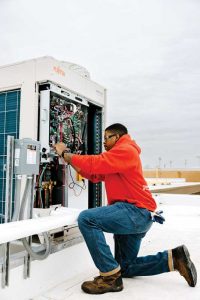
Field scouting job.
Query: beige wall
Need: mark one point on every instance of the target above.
(189, 175)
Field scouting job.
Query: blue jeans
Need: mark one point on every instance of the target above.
(129, 224)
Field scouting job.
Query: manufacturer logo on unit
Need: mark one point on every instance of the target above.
(59, 71)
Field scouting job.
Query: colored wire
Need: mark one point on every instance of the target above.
(73, 184)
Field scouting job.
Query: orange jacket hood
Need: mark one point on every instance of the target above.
(126, 139)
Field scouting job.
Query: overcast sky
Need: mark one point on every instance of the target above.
(145, 52)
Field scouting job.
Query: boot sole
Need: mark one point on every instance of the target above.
(111, 290)
(190, 267)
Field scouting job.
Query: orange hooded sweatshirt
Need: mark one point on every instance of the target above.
(121, 170)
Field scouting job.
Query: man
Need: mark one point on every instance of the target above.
(127, 216)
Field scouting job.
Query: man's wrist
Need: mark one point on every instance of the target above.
(63, 153)
(67, 156)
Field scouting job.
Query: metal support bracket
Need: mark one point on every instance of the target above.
(27, 258)
(8, 207)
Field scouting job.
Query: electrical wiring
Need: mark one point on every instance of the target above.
(40, 184)
(73, 184)
(67, 123)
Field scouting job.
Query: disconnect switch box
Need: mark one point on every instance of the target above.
(27, 157)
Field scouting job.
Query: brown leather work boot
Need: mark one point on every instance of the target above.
(103, 284)
(183, 264)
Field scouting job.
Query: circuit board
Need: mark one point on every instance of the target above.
(68, 124)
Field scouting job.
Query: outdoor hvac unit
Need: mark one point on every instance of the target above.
(52, 101)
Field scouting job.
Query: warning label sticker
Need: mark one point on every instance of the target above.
(31, 157)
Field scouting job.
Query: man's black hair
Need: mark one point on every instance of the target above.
(117, 128)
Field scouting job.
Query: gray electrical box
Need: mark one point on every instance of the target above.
(27, 157)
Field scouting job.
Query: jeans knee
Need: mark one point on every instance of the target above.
(83, 216)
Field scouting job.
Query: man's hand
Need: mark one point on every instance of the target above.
(59, 148)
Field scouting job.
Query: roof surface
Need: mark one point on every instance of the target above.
(182, 226)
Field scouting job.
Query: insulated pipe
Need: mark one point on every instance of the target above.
(58, 217)
(26, 200)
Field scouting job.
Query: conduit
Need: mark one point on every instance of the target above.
(26, 202)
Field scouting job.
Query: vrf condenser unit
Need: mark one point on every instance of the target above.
(52, 101)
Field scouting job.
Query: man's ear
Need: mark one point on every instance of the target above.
(117, 136)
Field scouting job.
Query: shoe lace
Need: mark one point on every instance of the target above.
(98, 278)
